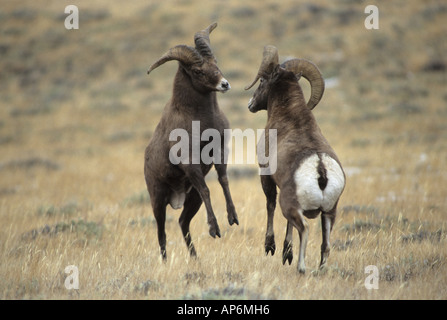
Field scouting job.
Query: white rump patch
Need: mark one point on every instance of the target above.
(306, 176)
(335, 183)
(310, 196)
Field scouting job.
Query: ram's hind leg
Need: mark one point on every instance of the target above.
(294, 215)
(190, 208)
(327, 222)
(269, 187)
(300, 223)
(287, 253)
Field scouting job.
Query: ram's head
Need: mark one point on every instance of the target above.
(270, 72)
(198, 62)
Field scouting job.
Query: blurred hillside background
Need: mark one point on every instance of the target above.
(60, 87)
(77, 111)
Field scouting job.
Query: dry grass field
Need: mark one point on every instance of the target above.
(77, 111)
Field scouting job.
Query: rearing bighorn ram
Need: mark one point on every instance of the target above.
(308, 172)
(193, 99)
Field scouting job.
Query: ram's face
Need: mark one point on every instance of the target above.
(207, 77)
(269, 82)
(259, 99)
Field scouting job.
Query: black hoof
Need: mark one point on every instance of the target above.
(214, 231)
(233, 220)
(270, 246)
(287, 253)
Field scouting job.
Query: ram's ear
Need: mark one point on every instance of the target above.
(277, 68)
(298, 76)
(277, 72)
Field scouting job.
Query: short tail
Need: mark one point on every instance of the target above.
(322, 177)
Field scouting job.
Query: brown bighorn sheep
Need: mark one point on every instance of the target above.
(308, 172)
(193, 99)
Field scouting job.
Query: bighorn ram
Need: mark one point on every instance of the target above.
(193, 99)
(308, 173)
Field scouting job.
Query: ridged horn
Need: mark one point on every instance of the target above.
(202, 41)
(185, 54)
(269, 61)
(310, 72)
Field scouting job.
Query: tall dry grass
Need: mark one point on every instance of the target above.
(77, 111)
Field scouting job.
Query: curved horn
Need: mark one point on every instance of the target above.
(202, 41)
(269, 61)
(311, 72)
(185, 54)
